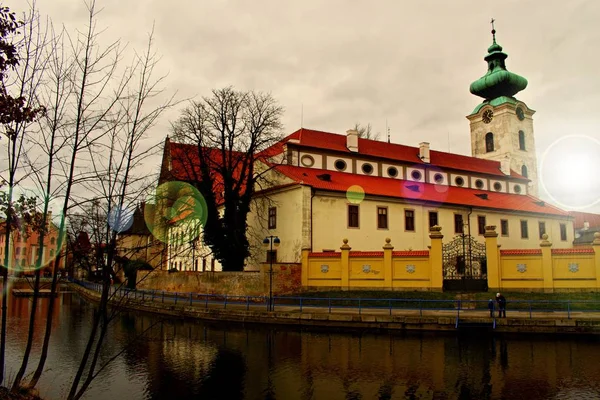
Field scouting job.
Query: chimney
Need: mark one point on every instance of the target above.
(505, 165)
(352, 140)
(424, 152)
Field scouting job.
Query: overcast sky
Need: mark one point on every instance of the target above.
(407, 62)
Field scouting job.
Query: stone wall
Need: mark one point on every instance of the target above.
(286, 280)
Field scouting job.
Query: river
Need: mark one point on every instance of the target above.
(174, 359)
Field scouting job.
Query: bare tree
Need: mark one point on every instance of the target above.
(366, 131)
(16, 114)
(230, 131)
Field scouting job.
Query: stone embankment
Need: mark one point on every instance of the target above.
(352, 319)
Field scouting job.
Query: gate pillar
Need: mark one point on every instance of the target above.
(435, 257)
(492, 257)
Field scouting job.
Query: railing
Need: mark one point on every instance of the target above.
(421, 307)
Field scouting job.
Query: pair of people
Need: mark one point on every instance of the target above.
(501, 301)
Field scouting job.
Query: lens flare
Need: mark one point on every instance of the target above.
(120, 219)
(176, 205)
(568, 171)
(355, 194)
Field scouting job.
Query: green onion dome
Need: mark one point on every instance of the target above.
(497, 81)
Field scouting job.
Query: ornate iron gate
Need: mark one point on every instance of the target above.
(464, 264)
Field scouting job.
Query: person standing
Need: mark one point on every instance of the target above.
(501, 300)
(491, 307)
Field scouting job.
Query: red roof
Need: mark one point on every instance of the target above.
(396, 152)
(422, 192)
(580, 217)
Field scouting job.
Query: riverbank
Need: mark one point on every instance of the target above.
(372, 319)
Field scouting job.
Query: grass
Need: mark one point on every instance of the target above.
(576, 301)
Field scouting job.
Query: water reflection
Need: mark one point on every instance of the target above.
(176, 359)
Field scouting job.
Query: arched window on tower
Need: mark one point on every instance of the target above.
(524, 171)
(522, 140)
(489, 142)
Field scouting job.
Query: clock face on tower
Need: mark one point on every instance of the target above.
(520, 114)
(487, 116)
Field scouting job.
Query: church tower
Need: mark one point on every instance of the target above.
(502, 126)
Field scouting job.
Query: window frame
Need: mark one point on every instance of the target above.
(524, 229)
(504, 232)
(563, 232)
(480, 227)
(437, 218)
(349, 215)
(458, 216)
(410, 218)
(522, 145)
(272, 219)
(489, 142)
(383, 215)
(540, 230)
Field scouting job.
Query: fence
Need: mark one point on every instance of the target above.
(420, 307)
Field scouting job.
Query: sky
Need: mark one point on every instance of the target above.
(402, 64)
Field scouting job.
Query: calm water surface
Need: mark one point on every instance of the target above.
(177, 359)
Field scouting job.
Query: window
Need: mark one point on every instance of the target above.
(489, 142)
(392, 172)
(479, 184)
(524, 230)
(433, 218)
(563, 232)
(203, 264)
(52, 240)
(307, 161)
(459, 181)
(481, 224)
(517, 189)
(409, 220)
(367, 169)
(382, 217)
(504, 227)
(497, 186)
(416, 175)
(458, 223)
(522, 140)
(340, 165)
(51, 253)
(438, 178)
(524, 171)
(272, 217)
(542, 226)
(18, 251)
(352, 216)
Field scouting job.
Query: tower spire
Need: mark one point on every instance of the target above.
(493, 30)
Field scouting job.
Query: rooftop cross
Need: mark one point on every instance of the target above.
(493, 30)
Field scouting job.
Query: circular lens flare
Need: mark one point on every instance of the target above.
(176, 205)
(568, 171)
(120, 219)
(355, 194)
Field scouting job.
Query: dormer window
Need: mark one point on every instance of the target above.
(416, 175)
(367, 169)
(392, 172)
(489, 142)
(340, 165)
(438, 178)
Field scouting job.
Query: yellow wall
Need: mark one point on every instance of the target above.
(330, 222)
(511, 277)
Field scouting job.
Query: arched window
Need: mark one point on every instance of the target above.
(522, 140)
(51, 240)
(489, 142)
(524, 171)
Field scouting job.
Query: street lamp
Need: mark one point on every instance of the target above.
(271, 242)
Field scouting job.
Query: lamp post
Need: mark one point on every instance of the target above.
(269, 243)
